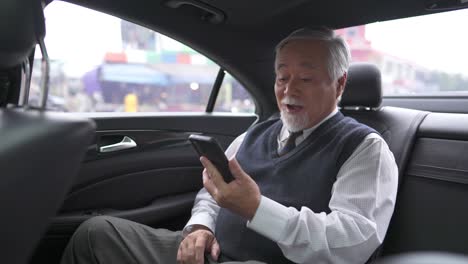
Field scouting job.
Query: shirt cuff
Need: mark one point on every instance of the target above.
(270, 219)
(204, 219)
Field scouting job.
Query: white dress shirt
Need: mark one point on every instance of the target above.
(362, 203)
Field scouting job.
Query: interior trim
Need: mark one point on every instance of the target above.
(438, 173)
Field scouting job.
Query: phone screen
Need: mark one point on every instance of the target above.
(208, 147)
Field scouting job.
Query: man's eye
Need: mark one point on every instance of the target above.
(306, 79)
(281, 79)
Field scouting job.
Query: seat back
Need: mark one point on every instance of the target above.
(425, 258)
(22, 23)
(40, 152)
(361, 100)
(431, 211)
(430, 150)
(398, 126)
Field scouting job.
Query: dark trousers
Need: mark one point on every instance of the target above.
(105, 239)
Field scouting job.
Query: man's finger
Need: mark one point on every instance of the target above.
(215, 250)
(200, 245)
(182, 252)
(179, 255)
(209, 185)
(236, 169)
(214, 174)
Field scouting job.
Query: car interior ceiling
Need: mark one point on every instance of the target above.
(430, 148)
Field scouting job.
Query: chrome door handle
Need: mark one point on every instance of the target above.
(126, 143)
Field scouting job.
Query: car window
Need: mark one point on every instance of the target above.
(232, 98)
(424, 55)
(100, 63)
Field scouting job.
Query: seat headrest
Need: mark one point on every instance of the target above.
(21, 23)
(363, 87)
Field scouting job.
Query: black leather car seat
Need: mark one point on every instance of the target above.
(362, 100)
(40, 152)
(425, 258)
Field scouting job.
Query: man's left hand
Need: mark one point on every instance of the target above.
(241, 196)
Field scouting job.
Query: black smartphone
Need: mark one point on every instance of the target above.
(208, 147)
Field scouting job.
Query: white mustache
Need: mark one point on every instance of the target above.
(292, 101)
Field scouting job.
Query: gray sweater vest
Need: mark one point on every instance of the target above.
(302, 177)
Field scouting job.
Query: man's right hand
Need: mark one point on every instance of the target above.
(192, 249)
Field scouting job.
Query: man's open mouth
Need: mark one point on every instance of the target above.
(292, 108)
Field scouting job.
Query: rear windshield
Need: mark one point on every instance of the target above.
(426, 55)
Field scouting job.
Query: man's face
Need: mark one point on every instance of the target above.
(304, 91)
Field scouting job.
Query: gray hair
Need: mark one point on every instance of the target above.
(339, 55)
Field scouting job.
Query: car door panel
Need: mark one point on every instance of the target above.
(159, 210)
(162, 165)
(154, 183)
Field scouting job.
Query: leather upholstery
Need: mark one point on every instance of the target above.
(425, 258)
(18, 33)
(445, 125)
(363, 87)
(40, 154)
(430, 151)
(397, 126)
(431, 212)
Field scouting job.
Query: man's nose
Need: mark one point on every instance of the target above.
(291, 88)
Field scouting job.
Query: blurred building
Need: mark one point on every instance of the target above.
(399, 76)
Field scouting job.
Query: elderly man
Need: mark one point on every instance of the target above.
(310, 187)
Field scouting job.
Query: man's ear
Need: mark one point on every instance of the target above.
(341, 85)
